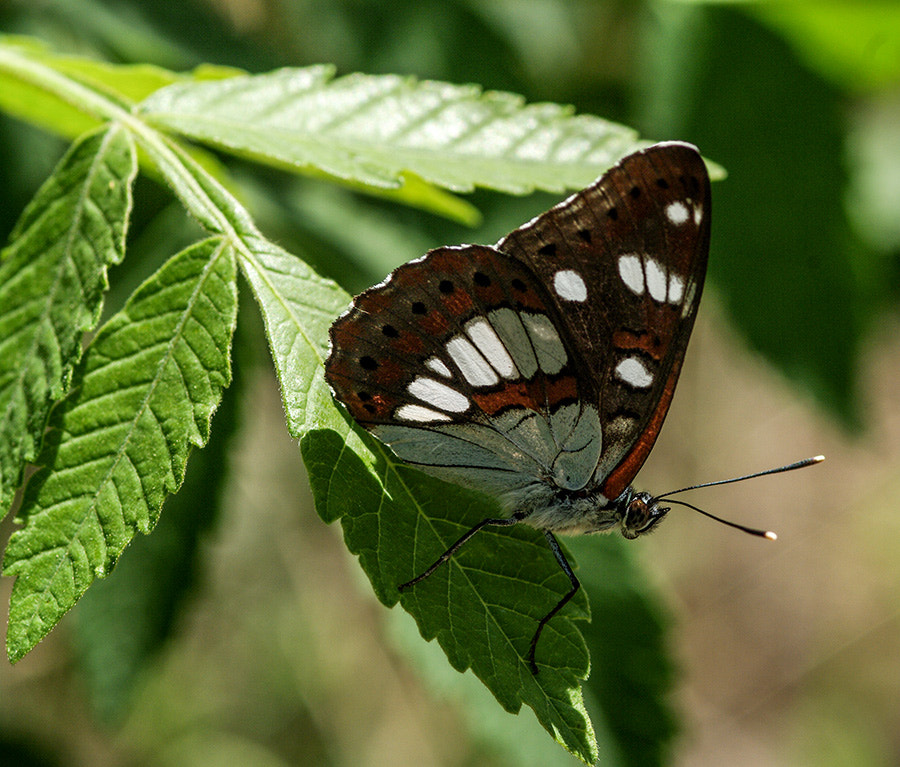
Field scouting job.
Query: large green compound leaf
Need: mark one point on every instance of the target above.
(484, 608)
(147, 388)
(52, 282)
(374, 129)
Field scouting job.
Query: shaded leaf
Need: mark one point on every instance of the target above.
(23, 97)
(398, 520)
(395, 518)
(147, 389)
(632, 674)
(417, 193)
(783, 256)
(52, 282)
(124, 83)
(389, 511)
(856, 45)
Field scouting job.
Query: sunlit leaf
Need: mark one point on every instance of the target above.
(372, 129)
(52, 282)
(144, 396)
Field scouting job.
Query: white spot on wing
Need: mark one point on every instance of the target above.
(632, 371)
(677, 212)
(676, 289)
(438, 394)
(471, 364)
(656, 280)
(490, 345)
(437, 366)
(569, 286)
(419, 414)
(632, 273)
(698, 214)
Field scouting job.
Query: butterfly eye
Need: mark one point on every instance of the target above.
(641, 515)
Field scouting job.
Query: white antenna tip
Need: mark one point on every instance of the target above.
(818, 459)
(771, 536)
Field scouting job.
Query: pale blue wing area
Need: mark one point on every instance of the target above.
(516, 449)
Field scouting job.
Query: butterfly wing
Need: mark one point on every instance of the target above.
(626, 259)
(456, 363)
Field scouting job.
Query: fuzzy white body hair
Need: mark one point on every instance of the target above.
(549, 508)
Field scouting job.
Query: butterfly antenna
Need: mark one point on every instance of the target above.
(665, 497)
(743, 528)
(790, 467)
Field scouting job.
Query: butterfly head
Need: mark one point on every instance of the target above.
(641, 513)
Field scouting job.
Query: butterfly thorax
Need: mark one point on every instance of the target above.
(548, 507)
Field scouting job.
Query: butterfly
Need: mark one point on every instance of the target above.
(540, 370)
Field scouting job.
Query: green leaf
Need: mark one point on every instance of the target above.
(417, 193)
(122, 622)
(485, 604)
(298, 307)
(372, 129)
(29, 100)
(631, 672)
(52, 282)
(124, 83)
(147, 388)
(788, 266)
(855, 45)
(131, 82)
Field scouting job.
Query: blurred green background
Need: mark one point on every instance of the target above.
(270, 649)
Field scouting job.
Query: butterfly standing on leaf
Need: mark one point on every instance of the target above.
(540, 370)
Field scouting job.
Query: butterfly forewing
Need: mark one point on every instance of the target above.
(626, 259)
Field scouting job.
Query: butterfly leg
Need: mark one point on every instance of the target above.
(496, 522)
(567, 569)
